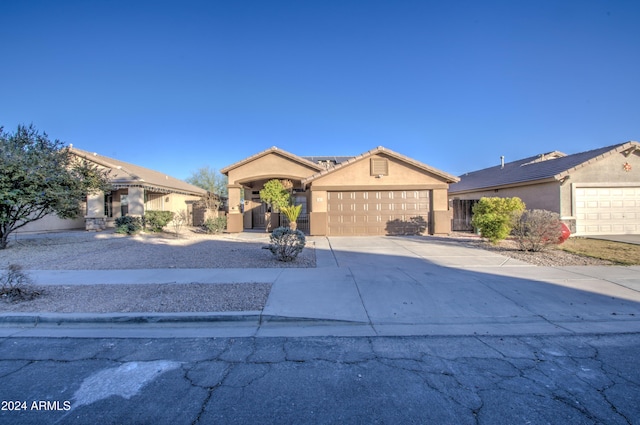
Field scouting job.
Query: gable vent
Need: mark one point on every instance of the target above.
(379, 167)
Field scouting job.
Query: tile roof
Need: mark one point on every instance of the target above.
(273, 149)
(327, 161)
(125, 174)
(549, 166)
(381, 149)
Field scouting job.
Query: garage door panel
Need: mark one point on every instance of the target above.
(369, 212)
(610, 210)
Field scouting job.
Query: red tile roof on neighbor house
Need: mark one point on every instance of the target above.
(544, 167)
(124, 174)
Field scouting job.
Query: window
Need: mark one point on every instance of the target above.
(108, 205)
(379, 167)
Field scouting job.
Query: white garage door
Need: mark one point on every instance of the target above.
(607, 210)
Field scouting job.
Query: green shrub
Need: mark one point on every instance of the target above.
(494, 216)
(215, 225)
(536, 230)
(292, 212)
(128, 225)
(156, 220)
(286, 243)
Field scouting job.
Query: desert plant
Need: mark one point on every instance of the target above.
(129, 225)
(15, 285)
(286, 243)
(156, 220)
(536, 230)
(494, 216)
(179, 220)
(215, 225)
(292, 212)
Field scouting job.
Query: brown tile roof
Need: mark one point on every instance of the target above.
(449, 178)
(125, 174)
(549, 166)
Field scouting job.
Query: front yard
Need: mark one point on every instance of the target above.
(616, 252)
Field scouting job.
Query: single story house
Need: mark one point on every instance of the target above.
(135, 189)
(595, 192)
(378, 192)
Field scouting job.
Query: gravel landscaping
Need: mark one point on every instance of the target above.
(107, 250)
(143, 298)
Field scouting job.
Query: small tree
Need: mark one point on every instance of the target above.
(536, 230)
(216, 186)
(494, 216)
(210, 180)
(179, 220)
(275, 194)
(39, 177)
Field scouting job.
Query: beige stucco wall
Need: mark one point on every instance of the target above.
(271, 165)
(52, 223)
(543, 196)
(358, 173)
(401, 176)
(607, 171)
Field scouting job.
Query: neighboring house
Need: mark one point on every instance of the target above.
(595, 192)
(135, 190)
(374, 193)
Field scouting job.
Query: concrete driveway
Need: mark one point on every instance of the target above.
(400, 286)
(410, 286)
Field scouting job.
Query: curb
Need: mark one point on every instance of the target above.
(127, 318)
(253, 317)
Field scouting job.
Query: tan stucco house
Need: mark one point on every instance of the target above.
(135, 189)
(595, 192)
(360, 195)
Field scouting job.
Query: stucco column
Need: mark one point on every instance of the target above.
(136, 201)
(441, 215)
(95, 218)
(234, 219)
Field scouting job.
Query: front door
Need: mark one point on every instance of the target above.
(258, 213)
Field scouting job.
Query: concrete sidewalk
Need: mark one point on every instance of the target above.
(373, 286)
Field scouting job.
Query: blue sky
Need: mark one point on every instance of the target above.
(178, 85)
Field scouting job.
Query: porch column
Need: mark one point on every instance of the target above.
(136, 201)
(441, 215)
(95, 219)
(234, 219)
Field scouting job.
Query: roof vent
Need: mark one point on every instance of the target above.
(502, 161)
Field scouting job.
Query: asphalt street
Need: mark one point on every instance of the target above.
(585, 379)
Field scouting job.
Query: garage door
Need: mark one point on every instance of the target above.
(607, 210)
(361, 213)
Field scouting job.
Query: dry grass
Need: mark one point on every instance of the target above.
(617, 252)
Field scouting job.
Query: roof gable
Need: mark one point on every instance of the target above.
(550, 166)
(273, 149)
(380, 149)
(126, 174)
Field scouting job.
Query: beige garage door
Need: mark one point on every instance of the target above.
(607, 210)
(362, 213)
